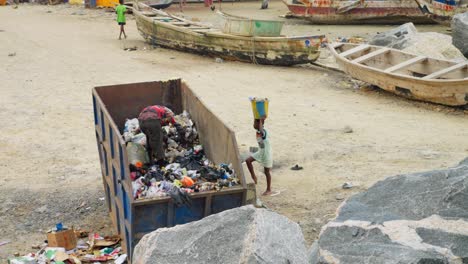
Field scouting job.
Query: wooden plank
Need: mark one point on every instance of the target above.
(442, 72)
(336, 45)
(405, 64)
(201, 30)
(191, 27)
(179, 23)
(163, 18)
(354, 50)
(371, 55)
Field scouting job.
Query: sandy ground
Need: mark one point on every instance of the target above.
(48, 155)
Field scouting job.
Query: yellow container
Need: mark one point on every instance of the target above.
(2, 2)
(107, 3)
(259, 107)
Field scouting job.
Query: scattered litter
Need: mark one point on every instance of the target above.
(130, 49)
(12, 54)
(4, 242)
(62, 237)
(219, 60)
(96, 250)
(296, 167)
(81, 205)
(258, 203)
(121, 259)
(347, 185)
(339, 197)
(102, 199)
(187, 170)
(347, 130)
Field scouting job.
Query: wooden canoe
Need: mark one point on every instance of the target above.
(160, 28)
(243, 26)
(357, 11)
(416, 77)
(442, 11)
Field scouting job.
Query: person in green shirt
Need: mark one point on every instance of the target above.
(121, 10)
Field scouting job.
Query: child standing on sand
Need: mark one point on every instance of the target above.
(263, 155)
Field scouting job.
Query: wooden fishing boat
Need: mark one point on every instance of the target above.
(243, 26)
(357, 11)
(442, 11)
(158, 4)
(405, 74)
(160, 28)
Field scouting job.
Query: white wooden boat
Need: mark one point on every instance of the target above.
(416, 77)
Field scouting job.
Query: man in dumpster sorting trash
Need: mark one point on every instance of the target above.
(263, 155)
(151, 120)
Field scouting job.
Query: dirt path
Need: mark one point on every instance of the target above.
(48, 153)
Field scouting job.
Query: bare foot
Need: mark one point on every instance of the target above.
(266, 193)
(254, 179)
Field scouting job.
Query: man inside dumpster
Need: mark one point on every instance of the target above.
(151, 120)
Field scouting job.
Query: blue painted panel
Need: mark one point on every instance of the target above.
(128, 241)
(185, 214)
(115, 183)
(105, 161)
(117, 215)
(108, 196)
(447, 2)
(99, 149)
(95, 111)
(126, 204)
(220, 203)
(150, 217)
(111, 141)
(122, 163)
(103, 127)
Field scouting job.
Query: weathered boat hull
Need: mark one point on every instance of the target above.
(262, 50)
(446, 92)
(372, 12)
(242, 26)
(442, 11)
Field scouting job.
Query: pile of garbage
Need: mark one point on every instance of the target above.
(186, 170)
(70, 246)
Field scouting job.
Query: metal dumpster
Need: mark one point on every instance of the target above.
(134, 218)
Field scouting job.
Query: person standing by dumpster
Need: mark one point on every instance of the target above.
(263, 155)
(121, 9)
(151, 121)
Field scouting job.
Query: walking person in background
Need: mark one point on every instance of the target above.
(121, 9)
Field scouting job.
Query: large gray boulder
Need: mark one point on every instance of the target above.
(460, 32)
(407, 38)
(241, 235)
(412, 218)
